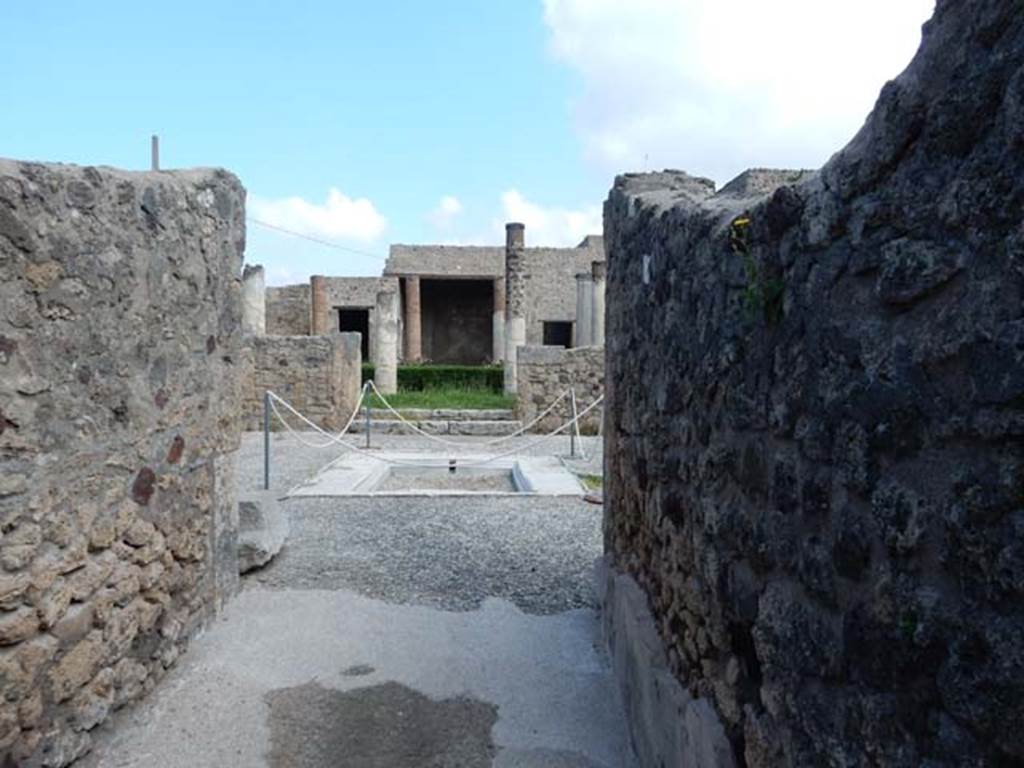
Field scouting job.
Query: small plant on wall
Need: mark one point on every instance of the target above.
(761, 295)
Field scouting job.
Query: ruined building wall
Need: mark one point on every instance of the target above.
(119, 338)
(357, 292)
(320, 376)
(288, 310)
(550, 284)
(815, 446)
(544, 373)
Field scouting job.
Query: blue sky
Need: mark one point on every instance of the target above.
(370, 123)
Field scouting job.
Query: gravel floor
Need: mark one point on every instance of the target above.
(447, 552)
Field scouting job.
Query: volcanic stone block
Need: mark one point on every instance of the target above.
(815, 442)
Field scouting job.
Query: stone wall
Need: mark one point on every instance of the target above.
(320, 376)
(357, 291)
(544, 373)
(550, 284)
(288, 310)
(119, 345)
(815, 450)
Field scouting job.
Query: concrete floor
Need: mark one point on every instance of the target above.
(398, 633)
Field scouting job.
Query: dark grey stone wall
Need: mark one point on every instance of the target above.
(120, 333)
(815, 446)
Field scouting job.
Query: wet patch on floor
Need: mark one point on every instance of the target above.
(542, 758)
(382, 726)
(358, 670)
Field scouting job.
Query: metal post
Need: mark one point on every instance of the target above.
(369, 422)
(266, 441)
(575, 423)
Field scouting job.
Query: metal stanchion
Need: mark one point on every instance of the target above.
(369, 422)
(573, 431)
(266, 441)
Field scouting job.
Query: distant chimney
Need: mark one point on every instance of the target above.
(515, 235)
(154, 153)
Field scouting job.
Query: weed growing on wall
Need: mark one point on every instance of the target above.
(762, 295)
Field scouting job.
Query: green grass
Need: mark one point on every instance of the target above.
(419, 376)
(592, 482)
(446, 397)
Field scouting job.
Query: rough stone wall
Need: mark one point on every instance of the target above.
(288, 310)
(544, 373)
(120, 329)
(816, 438)
(319, 375)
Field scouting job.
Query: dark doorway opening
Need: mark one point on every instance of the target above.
(557, 334)
(457, 320)
(356, 321)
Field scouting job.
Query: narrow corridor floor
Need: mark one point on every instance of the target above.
(411, 633)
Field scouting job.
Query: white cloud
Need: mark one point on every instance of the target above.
(716, 86)
(339, 216)
(549, 226)
(447, 210)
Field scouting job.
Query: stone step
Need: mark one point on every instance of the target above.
(478, 428)
(445, 414)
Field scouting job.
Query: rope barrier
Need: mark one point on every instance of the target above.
(331, 439)
(443, 460)
(459, 444)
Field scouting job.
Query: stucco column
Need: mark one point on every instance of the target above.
(413, 320)
(598, 271)
(515, 301)
(584, 309)
(498, 321)
(320, 318)
(347, 376)
(385, 348)
(254, 301)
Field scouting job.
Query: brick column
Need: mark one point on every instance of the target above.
(413, 321)
(320, 319)
(498, 321)
(515, 301)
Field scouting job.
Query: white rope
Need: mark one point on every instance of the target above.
(457, 443)
(331, 439)
(545, 438)
(442, 461)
